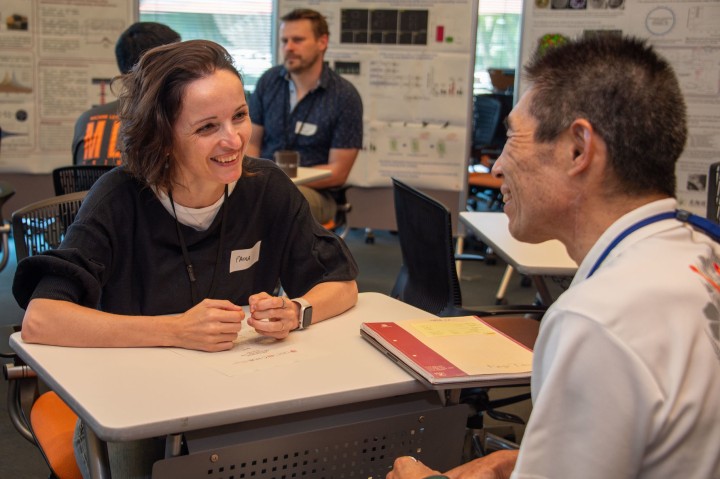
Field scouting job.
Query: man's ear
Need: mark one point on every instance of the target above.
(583, 141)
(323, 40)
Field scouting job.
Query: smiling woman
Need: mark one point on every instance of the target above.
(210, 138)
(166, 249)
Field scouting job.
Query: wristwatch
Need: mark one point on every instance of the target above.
(305, 318)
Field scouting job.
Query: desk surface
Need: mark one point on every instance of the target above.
(133, 393)
(548, 258)
(306, 174)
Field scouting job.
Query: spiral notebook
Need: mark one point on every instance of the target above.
(442, 352)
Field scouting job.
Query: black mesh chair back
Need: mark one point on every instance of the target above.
(486, 120)
(428, 278)
(41, 226)
(70, 179)
(713, 195)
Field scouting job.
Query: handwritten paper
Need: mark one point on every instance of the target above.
(253, 353)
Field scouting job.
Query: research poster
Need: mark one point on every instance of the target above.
(56, 60)
(687, 33)
(412, 62)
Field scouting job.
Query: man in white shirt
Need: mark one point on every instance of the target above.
(626, 372)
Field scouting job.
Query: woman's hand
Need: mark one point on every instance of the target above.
(211, 325)
(273, 316)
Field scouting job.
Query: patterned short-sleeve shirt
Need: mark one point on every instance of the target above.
(330, 116)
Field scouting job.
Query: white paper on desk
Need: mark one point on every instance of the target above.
(253, 353)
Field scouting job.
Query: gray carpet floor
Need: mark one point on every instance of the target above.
(379, 263)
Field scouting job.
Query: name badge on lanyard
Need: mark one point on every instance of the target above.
(305, 129)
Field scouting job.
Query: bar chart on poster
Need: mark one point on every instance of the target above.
(412, 63)
(56, 61)
(685, 32)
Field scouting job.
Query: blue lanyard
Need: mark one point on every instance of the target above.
(698, 222)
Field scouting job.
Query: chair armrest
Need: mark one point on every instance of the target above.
(469, 257)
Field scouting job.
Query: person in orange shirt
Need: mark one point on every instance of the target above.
(95, 138)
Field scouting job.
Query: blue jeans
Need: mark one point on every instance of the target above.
(131, 460)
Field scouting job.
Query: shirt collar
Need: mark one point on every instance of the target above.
(622, 223)
(323, 82)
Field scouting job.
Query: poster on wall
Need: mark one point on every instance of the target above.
(412, 63)
(56, 61)
(686, 33)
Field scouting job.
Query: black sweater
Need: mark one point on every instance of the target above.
(122, 254)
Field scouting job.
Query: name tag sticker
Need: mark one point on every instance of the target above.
(242, 259)
(305, 129)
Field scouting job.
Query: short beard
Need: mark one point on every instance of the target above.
(303, 66)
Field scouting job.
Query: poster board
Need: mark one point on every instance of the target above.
(56, 61)
(412, 63)
(686, 33)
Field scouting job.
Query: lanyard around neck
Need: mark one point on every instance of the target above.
(697, 222)
(186, 256)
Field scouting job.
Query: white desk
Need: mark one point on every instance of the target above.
(536, 260)
(306, 175)
(132, 393)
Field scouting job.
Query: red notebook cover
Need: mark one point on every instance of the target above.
(444, 350)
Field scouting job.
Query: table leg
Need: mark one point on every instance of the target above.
(173, 444)
(500, 295)
(98, 456)
(543, 290)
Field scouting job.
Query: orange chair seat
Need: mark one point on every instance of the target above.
(484, 180)
(53, 424)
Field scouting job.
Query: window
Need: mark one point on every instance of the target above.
(244, 28)
(498, 39)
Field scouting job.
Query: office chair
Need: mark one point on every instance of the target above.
(42, 419)
(488, 139)
(713, 193)
(428, 280)
(69, 179)
(6, 192)
(487, 119)
(428, 276)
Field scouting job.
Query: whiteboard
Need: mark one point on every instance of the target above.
(56, 61)
(412, 63)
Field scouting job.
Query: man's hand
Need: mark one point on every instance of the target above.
(407, 467)
(498, 465)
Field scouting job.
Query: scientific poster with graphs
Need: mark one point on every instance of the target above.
(412, 62)
(56, 60)
(687, 33)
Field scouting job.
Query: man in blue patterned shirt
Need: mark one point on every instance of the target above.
(304, 106)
